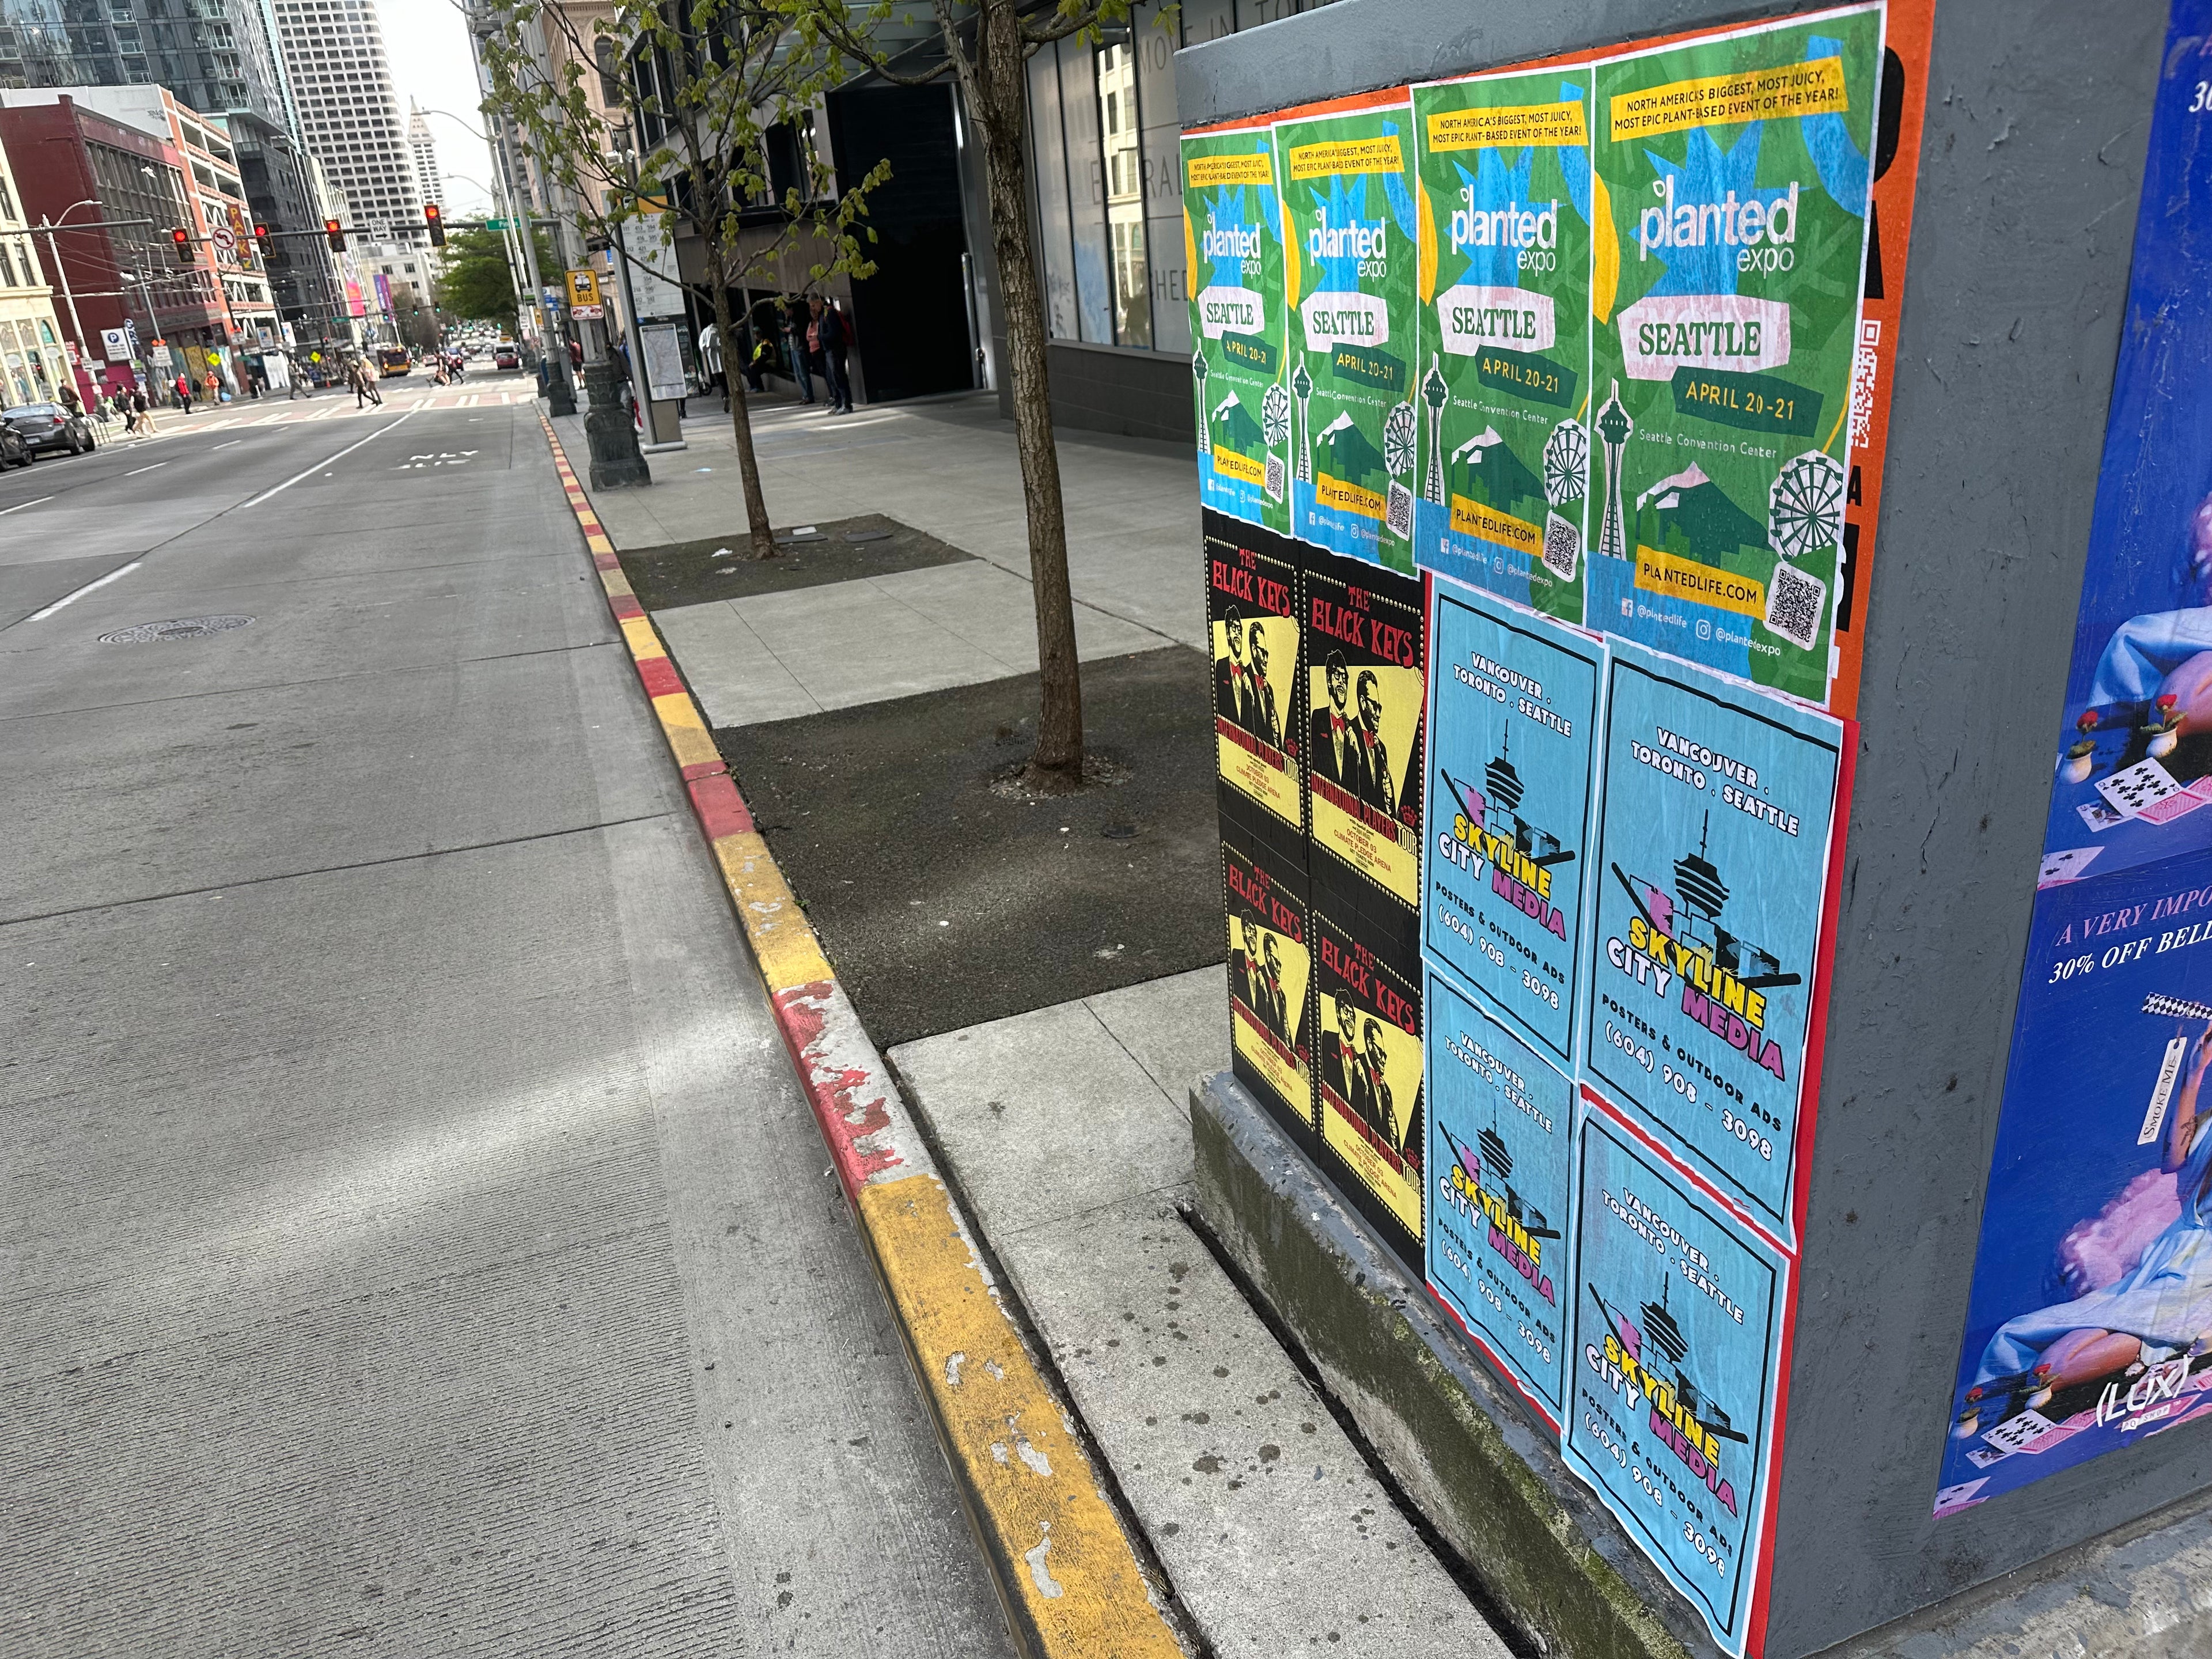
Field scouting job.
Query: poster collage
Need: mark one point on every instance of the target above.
(1541, 418)
(2089, 1320)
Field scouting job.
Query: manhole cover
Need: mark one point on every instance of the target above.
(867, 535)
(180, 628)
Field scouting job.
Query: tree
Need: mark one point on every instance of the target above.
(986, 45)
(478, 281)
(413, 315)
(722, 84)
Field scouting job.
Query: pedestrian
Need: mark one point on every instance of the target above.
(185, 393)
(130, 415)
(68, 399)
(794, 341)
(710, 360)
(831, 334)
(144, 410)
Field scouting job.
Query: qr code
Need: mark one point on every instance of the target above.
(1398, 516)
(1275, 477)
(1563, 546)
(1795, 604)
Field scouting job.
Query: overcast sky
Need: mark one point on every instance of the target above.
(429, 46)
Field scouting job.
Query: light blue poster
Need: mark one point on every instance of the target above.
(1512, 757)
(1711, 876)
(1677, 1336)
(1501, 1127)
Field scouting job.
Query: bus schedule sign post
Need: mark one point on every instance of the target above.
(583, 289)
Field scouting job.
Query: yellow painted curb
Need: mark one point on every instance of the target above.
(783, 940)
(643, 642)
(1069, 1565)
(687, 733)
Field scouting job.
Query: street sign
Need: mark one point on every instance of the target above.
(583, 289)
(498, 224)
(587, 314)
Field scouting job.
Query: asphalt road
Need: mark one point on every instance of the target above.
(414, 1241)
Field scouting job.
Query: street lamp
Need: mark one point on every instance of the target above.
(54, 250)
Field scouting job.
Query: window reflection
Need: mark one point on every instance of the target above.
(1125, 195)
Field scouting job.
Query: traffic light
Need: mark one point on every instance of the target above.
(261, 240)
(336, 231)
(436, 220)
(181, 239)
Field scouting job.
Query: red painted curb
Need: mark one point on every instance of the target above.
(721, 810)
(660, 676)
(705, 769)
(625, 606)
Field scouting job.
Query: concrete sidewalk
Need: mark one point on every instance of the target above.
(1065, 1128)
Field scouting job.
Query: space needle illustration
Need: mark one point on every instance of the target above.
(1435, 394)
(1302, 383)
(1198, 373)
(1613, 426)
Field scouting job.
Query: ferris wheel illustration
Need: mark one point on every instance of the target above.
(1275, 417)
(1805, 506)
(1566, 463)
(1398, 444)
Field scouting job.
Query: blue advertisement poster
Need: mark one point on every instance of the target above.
(1710, 880)
(2089, 1325)
(1678, 1329)
(1512, 757)
(1501, 1127)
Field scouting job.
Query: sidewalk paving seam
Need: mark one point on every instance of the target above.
(338, 869)
(1062, 1557)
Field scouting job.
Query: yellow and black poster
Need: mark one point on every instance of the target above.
(1259, 685)
(1366, 654)
(1270, 975)
(1367, 1036)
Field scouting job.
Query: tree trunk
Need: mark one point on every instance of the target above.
(741, 423)
(999, 108)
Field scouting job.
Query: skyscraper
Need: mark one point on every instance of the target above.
(333, 52)
(426, 156)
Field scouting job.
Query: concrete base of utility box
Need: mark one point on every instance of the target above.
(1487, 1476)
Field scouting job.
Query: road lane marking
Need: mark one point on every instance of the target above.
(226, 446)
(328, 461)
(19, 505)
(135, 472)
(71, 599)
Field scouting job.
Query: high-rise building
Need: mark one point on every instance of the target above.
(426, 156)
(333, 54)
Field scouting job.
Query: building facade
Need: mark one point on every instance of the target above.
(73, 162)
(341, 80)
(424, 148)
(280, 191)
(34, 363)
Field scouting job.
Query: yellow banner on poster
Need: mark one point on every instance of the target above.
(1815, 87)
(1204, 172)
(1389, 1178)
(1685, 579)
(1259, 770)
(1384, 850)
(1230, 464)
(1514, 127)
(1340, 157)
(1350, 497)
(1470, 518)
(1268, 1056)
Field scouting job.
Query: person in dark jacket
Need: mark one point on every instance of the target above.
(794, 339)
(831, 335)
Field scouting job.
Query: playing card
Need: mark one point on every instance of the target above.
(2065, 867)
(2134, 787)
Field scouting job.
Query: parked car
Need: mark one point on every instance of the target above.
(44, 427)
(14, 452)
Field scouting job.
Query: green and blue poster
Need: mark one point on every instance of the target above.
(1733, 175)
(1503, 398)
(1501, 1122)
(1513, 786)
(1678, 1327)
(1710, 881)
(1351, 327)
(1233, 229)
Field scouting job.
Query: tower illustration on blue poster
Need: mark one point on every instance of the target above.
(1501, 1123)
(1513, 784)
(1711, 867)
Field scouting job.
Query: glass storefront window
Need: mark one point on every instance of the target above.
(1125, 194)
(1048, 165)
(1154, 48)
(1086, 180)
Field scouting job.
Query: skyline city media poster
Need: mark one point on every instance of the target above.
(1232, 228)
(1369, 1075)
(1512, 746)
(1351, 326)
(1733, 177)
(1501, 1120)
(1258, 678)
(1711, 879)
(1678, 1330)
(2089, 1319)
(1503, 397)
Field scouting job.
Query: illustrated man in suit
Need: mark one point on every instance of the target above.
(1266, 724)
(1337, 754)
(1339, 1049)
(1370, 1091)
(1376, 789)
(1245, 969)
(1233, 678)
(1275, 1013)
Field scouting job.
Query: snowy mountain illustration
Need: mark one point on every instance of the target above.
(1687, 512)
(1484, 469)
(1235, 430)
(1351, 457)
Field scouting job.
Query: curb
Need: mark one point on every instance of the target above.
(1064, 1568)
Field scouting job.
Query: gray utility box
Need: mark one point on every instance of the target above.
(1995, 1258)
